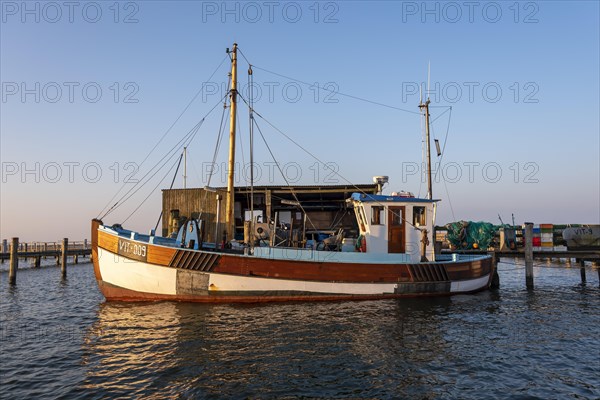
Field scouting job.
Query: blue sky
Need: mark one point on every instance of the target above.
(89, 88)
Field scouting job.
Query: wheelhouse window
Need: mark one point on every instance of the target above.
(419, 216)
(377, 215)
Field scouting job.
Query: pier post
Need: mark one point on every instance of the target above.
(45, 249)
(63, 263)
(582, 270)
(14, 261)
(76, 259)
(496, 278)
(529, 255)
(38, 261)
(4, 247)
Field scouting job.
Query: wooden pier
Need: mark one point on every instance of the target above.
(580, 256)
(38, 250)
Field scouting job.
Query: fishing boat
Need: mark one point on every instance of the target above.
(394, 255)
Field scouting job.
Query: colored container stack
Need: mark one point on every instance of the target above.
(547, 236)
(537, 237)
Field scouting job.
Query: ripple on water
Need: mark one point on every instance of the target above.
(61, 340)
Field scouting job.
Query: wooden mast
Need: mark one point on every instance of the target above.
(426, 107)
(229, 213)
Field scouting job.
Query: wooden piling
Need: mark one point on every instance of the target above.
(14, 261)
(529, 255)
(582, 270)
(63, 264)
(76, 259)
(38, 262)
(45, 248)
(495, 284)
(4, 247)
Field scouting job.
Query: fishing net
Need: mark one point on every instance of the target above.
(469, 235)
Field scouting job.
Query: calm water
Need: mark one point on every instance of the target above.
(61, 340)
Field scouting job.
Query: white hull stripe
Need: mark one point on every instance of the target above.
(149, 278)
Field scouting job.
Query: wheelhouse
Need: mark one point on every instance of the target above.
(398, 223)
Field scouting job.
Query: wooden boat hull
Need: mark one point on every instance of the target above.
(130, 270)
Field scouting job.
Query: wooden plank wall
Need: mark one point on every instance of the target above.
(189, 202)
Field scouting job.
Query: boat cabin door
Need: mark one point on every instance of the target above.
(396, 230)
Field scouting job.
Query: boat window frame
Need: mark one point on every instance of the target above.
(377, 215)
(419, 215)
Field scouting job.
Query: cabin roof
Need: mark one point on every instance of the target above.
(378, 198)
(350, 187)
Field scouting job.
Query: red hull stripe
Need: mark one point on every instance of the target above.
(305, 271)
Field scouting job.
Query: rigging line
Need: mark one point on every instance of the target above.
(139, 183)
(284, 177)
(337, 92)
(449, 201)
(435, 119)
(168, 158)
(167, 132)
(241, 143)
(171, 187)
(446, 137)
(154, 189)
(243, 55)
(153, 175)
(174, 148)
(191, 160)
(445, 141)
(324, 164)
(251, 106)
(217, 146)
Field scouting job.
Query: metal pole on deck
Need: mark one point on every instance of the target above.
(529, 255)
(217, 220)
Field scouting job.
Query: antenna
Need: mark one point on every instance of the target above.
(428, 77)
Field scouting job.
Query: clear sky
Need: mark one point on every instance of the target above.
(88, 89)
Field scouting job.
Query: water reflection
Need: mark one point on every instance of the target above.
(192, 349)
(411, 348)
(63, 341)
